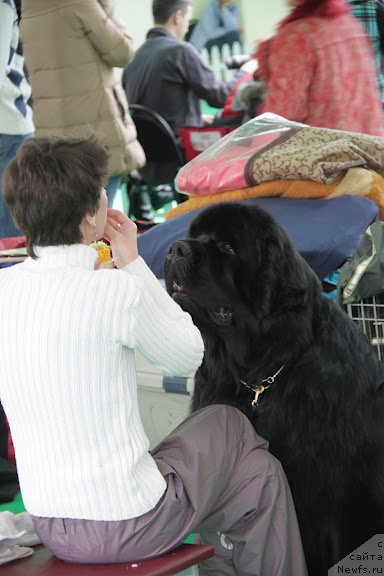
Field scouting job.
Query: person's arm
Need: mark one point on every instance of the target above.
(163, 332)
(108, 36)
(153, 323)
(200, 79)
(6, 24)
(216, 20)
(290, 68)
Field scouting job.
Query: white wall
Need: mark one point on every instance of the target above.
(259, 17)
(137, 15)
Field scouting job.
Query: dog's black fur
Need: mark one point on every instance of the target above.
(259, 307)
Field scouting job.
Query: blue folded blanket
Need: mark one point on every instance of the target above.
(325, 232)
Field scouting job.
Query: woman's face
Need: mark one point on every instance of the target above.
(92, 225)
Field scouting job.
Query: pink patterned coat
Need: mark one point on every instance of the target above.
(321, 71)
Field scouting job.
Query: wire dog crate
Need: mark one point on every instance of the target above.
(369, 316)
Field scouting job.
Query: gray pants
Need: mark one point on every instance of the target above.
(223, 484)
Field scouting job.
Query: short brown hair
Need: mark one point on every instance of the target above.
(162, 10)
(50, 186)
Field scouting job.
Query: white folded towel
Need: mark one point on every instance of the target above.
(16, 536)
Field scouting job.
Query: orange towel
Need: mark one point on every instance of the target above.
(367, 183)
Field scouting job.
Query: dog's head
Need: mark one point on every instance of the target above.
(238, 272)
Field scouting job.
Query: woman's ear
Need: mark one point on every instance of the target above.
(91, 220)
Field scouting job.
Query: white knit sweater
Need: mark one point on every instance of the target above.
(68, 383)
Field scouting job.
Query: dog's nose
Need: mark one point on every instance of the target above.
(179, 249)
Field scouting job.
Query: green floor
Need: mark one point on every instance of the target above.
(121, 202)
(207, 109)
(15, 506)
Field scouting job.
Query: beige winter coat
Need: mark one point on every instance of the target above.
(71, 47)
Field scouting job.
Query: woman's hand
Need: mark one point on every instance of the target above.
(121, 233)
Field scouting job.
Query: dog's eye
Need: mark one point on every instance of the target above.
(226, 248)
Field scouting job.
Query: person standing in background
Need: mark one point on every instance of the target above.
(219, 24)
(371, 15)
(168, 74)
(318, 69)
(16, 123)
(71, 49)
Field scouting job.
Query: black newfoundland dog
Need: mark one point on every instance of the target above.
(294, 363)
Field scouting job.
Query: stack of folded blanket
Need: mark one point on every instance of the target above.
(270, 156)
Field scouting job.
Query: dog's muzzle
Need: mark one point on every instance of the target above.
(179, 249)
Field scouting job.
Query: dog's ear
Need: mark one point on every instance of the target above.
(278, 277)
(295, 279)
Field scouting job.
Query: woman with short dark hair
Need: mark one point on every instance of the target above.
(68, 331)
(64, 179)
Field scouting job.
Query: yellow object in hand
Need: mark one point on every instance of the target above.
(104, 254)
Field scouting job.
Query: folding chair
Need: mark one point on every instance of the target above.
(194, 140)
(163, 154)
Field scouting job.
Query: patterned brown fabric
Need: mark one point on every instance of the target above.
(318, 154)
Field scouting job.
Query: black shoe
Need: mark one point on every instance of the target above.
(140, 202)
(161, 195)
